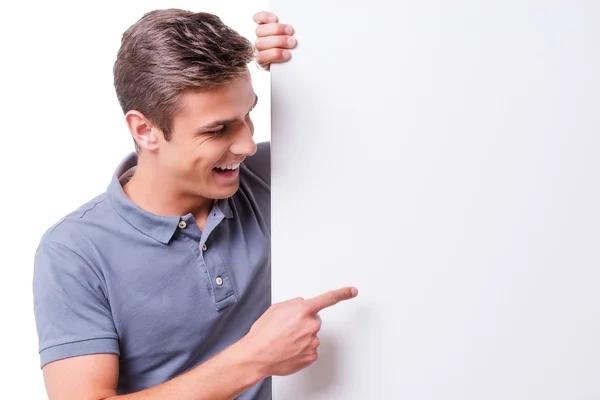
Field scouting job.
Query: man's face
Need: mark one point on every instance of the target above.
(211, 136)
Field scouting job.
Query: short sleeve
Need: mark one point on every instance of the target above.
(72, 314)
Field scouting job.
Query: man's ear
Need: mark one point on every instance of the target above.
(142, 130)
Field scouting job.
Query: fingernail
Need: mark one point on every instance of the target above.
(290, 41)
(272, 18)
(289, 30)
(354, 291)
(286, 54)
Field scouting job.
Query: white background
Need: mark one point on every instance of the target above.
(63, 134)
(444, 157)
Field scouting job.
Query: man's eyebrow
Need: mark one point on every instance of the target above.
(214, 124)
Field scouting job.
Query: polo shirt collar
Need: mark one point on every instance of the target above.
(224, 205)
(159, 227)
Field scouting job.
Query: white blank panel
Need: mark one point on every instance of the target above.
(442, 156)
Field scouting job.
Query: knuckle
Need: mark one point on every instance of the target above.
(334, 297)
(263, 30)
(281, 29)
(276, 53)
(277, 305)
(316, 327)
(284, 41)
(305, 309)
(263, 16)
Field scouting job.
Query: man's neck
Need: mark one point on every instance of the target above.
(158, 195)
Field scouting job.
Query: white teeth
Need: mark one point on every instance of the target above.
(229, 167)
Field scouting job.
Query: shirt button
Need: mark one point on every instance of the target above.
(182, 224)
(204, 247)
(219, 281)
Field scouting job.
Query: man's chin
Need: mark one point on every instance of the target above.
(225, 192)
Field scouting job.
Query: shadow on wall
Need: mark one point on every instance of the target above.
(320, 380)
(323, 374)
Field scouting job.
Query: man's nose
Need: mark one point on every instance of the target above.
(244, 142)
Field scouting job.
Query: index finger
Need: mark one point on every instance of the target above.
(331, 298)
(265, 17)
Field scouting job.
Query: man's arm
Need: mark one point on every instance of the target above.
(283, 341)
(94, 377)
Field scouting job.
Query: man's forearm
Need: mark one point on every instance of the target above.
(223, 377)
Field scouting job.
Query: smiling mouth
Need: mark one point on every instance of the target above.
(227, 168)
(227, 172)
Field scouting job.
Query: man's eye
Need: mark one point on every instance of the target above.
(217, 132)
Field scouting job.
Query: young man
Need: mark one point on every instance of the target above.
(160, 287)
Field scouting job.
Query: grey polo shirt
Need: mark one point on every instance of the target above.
(157, 291)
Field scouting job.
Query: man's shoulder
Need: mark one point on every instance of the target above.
(69, 230)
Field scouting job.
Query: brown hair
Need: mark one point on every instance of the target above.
(169, 51)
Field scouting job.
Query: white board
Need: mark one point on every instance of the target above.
(444, 158)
